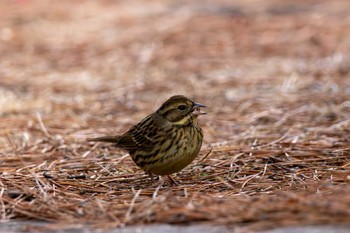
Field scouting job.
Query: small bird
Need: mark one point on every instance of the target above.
(165, 141)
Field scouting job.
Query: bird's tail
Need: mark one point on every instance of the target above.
(110, 139)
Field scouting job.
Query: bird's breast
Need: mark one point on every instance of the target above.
(173, 153)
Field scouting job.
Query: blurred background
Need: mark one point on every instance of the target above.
(269, 71)
(120, 57)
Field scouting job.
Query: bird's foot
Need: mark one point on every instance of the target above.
(161, 181)
(173, 182)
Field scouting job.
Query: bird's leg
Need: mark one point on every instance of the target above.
(161, 181)
(158, 183)
(172, 181)
(152, 177)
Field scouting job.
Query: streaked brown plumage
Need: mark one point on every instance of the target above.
(165, 141)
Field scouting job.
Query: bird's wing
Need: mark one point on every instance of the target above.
(141, 136)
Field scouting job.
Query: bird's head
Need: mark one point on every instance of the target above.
(180, 110)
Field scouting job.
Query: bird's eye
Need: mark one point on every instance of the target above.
(182, 107)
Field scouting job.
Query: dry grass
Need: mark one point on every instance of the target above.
(275, 77)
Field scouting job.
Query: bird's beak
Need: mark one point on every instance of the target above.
(198, 105)
(196, 109)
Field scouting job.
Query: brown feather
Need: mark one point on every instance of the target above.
(165, 141)
(111, 139)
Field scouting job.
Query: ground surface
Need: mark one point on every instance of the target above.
(275, 78)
